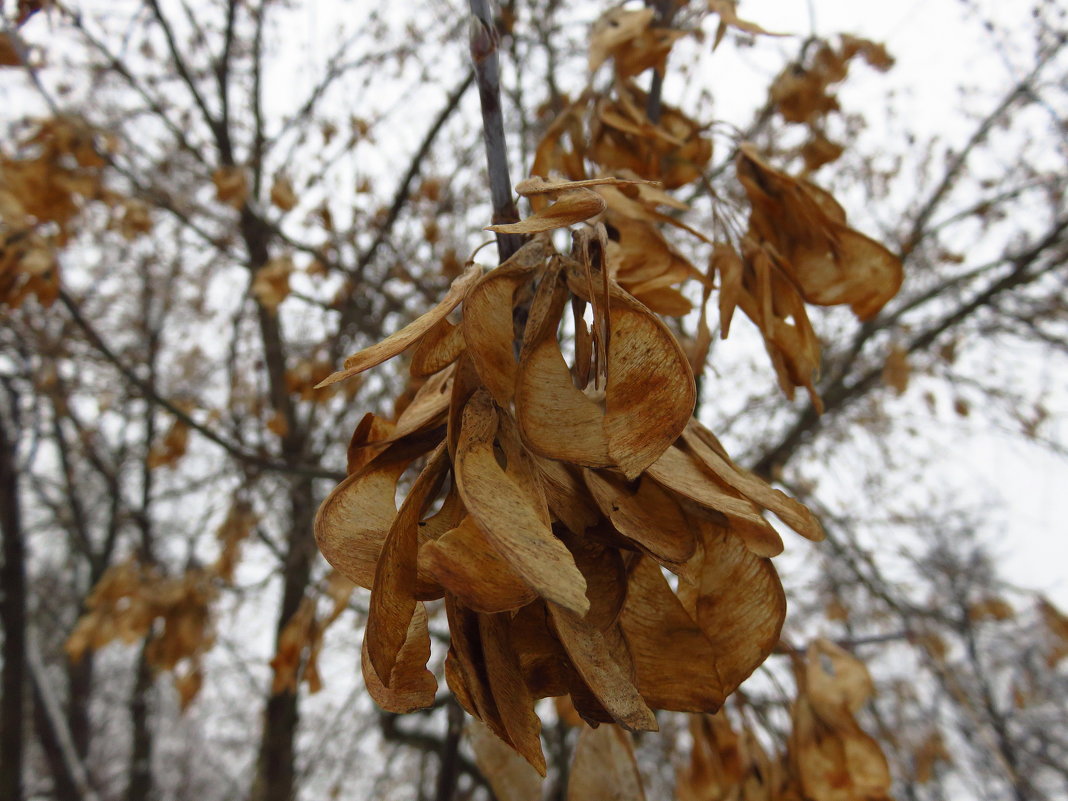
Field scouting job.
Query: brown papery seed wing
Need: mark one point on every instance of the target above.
(604, 768)
(510, 776)
(795, 514)
(607, 679)
(677, 664)
(556, 418)
(465, 562)
(510, 691)
(648, 515)
(354, 519)
(651, 391)
(510, 517)
(573, 206)
(680, 472)
(740, 606)
(410, 334)
(412, 686)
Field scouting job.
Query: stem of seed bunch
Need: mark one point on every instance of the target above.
(665, 12)
(484, 47)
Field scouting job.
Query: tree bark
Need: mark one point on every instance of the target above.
(276, 772)
(13, 616)
(139, 787)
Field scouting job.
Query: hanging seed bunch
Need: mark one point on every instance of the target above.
(828, 754)
(555, 494)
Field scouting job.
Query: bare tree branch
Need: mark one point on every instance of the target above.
(98, 343)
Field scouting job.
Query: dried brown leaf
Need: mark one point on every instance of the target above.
(354, 519)
(566, 495)
(675, 661)
(514, 701)
(828, 261)
(896, 369)
(509, 775)
(437, 349)
(282, 194)
(837, 684)
(231, 185)
(556, 419)
(465, 668)
(704, 445)
(728, 17)
(683, 474)
(646, 514)
(487, 323)
(740, 606)
(537, 185)
(614, 29)
(393, 597)
(651, 392)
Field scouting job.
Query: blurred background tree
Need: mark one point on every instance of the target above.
(206, 205)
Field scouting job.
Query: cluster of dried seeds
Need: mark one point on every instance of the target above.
(589, 538)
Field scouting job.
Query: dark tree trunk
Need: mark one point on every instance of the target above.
(276, 772)
(80, 682)
(139, 787)
(13, 617)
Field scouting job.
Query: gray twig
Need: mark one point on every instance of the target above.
(484, 47)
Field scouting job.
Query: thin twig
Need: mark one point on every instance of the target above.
(953, 172)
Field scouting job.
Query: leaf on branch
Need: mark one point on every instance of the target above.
(829, 262)
(282, 194)
(9, 54)
(231, 185)
(613, 30)
(270, 286)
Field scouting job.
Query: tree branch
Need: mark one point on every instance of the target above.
(953, 172)
(665, 11)
(149, 394)
(12, 612)
(51, 717)
(485, 42)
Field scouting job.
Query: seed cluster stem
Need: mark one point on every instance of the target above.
(485, 43)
